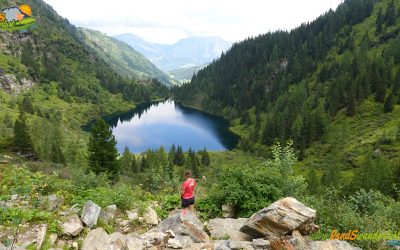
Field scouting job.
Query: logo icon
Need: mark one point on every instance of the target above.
(16, 18)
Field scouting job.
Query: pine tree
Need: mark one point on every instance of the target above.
(389, 103)
(245, 119)
(205, 158)
(144, 164)
(57, 155)
(27, 105)
(134, 165)
(379, 23)
(102, 150)
(390, 16)
(171, 154)
(179, 158)
(126, 160)
(22, 139)
(313, 181)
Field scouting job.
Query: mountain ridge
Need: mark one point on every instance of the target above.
(195, 51)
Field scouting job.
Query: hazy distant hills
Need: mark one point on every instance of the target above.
(185, 73)
(192, 51)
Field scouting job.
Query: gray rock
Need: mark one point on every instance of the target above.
(41, 236)
(150, 217)
(221, 228)
(185, 241)
(228, 211)
(116, 241)
(72, 227)
(222, 245)
(90, 214)
(108, 213)
(96, 239)
(53, 239)
(188, 225)
(153, 238)
(133, 215)
(53, 202)
(298, 241)
(174, 244)
(260, 244)
(133, 242)
(14, 197)
(280, 218)
(240, 245)
(332, 245)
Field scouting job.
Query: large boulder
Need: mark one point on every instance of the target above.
(150, 216)
(280, 218)
(73, 226)
(133, 242)
(107, 214)
(222, 228)
(187, 225)
(332, 245)
(96, 239)
(90, 213)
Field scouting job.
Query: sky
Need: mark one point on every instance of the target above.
(166, 22)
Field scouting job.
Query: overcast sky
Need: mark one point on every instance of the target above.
(167, 21)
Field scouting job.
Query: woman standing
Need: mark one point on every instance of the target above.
(187, 192)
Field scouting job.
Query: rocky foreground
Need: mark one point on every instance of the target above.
(284, 224)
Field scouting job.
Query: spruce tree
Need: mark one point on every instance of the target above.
(171, 154)
(389, 103)
(144, 164)
(379, 23)
(134, 164)
(57, 155)
(179, 157)
(313, 181)
(390, 16)
(126, 159)
(205, 158)
(22, 139)
(102, 150)
(27, 105)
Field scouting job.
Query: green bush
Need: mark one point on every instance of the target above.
(251, 188)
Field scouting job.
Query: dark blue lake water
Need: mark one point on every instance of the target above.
(165, 123)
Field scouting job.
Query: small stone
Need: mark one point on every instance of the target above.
(260, 244)
(75, 245)
(124, 223)
(14, 197)
(132, 215)
(53, 239)
(228, 211)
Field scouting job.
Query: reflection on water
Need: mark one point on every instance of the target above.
(165, 123)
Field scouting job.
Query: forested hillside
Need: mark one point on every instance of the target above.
(342, 68)
(52, 83)
(122, 58)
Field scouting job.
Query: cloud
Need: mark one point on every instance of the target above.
(169, 21)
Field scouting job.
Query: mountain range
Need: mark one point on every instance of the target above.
(192, 51)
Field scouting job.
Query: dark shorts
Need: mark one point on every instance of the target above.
(187, 202)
